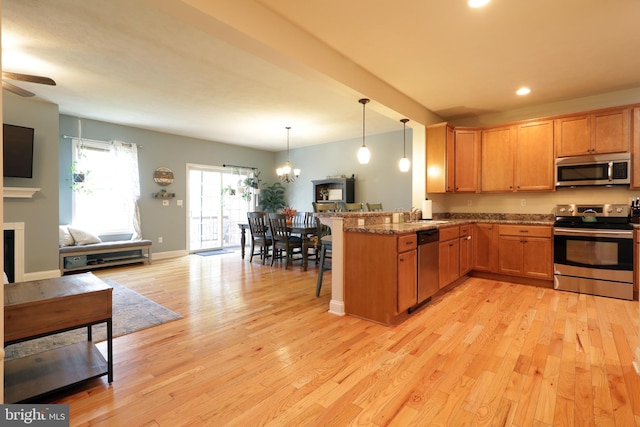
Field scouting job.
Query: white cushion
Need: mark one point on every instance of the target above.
(83, 237)
(64, 236)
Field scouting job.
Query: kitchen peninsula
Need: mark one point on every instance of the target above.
(377, 264)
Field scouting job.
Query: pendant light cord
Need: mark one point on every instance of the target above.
(364, 102)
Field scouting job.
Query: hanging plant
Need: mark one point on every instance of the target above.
(79, 179)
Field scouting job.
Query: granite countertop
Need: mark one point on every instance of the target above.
(447, 220)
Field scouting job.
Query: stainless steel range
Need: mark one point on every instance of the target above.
(593, 250)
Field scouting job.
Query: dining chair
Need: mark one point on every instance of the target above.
(259, 234)
(282, 238)
(325, 207)
(352, 207)
(326, 242)
(371, 207)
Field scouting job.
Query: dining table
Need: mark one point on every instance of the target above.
(303, 228)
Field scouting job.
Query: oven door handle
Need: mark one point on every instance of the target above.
(622, 234)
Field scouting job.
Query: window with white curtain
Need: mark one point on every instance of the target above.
(106, 187)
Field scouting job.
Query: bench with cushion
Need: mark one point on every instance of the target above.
(82, 251)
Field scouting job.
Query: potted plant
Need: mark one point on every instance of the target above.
(272, 197)
(324, 192)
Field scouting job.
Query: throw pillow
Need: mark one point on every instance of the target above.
(64, 236)
(83, 237)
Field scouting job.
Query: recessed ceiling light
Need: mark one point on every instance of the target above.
(477, 3)
(523, 91)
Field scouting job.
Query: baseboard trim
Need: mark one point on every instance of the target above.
(169, 254)
(41, 275)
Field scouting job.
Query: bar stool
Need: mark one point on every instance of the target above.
(325, 243)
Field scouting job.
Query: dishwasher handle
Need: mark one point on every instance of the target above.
(428, 236)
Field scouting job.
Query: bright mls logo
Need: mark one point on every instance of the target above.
(35, 415)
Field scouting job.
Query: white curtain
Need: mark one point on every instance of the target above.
(128, 180)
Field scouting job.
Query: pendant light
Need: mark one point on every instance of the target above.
(404, 164)
(364, 155)
(285, 172)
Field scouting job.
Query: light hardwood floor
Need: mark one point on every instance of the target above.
(256, 347)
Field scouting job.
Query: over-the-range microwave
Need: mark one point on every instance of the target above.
(597, 169)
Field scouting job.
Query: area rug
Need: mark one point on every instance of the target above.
(131, 312)
(214, 252)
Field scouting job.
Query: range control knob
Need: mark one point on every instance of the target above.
(619, 209)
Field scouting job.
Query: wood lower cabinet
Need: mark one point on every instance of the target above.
(484, 247)
(525, 251)
(407, 271)
(449, 256)
(600, 132)
(466, 249)
(380, 275)
(636, 262)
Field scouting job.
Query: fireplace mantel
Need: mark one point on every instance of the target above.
(19, 192)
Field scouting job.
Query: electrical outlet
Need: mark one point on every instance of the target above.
(360, 222)
(523, 202)
(165, 203)
(159, 239)
(179, 202)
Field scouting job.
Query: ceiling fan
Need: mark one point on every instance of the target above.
(25, 78)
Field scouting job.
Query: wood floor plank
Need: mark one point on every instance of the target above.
(256, 347)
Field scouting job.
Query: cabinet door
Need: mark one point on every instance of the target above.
(440, 158)
(407, 280)
(610, 131)
(534, 156)
(537, 260)
(510, 255)
(635, 149)
(483, 247)
(467, 160)
(449, 262)
(572, 136)
(636, 261)
(466, 250)
(497, 160)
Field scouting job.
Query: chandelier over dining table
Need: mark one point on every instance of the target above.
(286, 173)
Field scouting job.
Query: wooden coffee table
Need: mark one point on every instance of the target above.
(45, 307)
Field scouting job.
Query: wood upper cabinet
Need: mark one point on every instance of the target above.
(635, 148)
(440, 158)
(534, 161)
(449, 255)
(606, 131)
(466, 160)
(525, 251)
(497, 159)
(453, 159)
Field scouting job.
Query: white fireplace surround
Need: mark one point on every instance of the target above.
(18, 266)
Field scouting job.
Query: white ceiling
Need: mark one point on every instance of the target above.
(130, 62)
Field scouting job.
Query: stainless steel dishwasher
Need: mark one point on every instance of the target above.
(428, 258)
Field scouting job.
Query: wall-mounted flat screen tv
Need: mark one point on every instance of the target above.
(17, 151)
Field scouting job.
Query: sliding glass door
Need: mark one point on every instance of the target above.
(216, 205)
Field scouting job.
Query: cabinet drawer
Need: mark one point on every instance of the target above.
(449, 233)
(465, 230)
(407, 242)
(525, 230)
